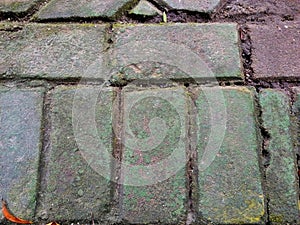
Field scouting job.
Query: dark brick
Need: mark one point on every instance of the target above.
(20, 122)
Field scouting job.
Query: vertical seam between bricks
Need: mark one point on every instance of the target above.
(194, 216)
(190, 163)
(295, 116)
(45, 139)
(118, 148)
(263, 154)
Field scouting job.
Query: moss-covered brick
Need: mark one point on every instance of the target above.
(77, 175)
(17, 6)
(20, 122)
(153, 170)
(206, 6)
(281, 182)
(56, 51)
(84, 9)
(229, 189)
(184, 52)
(144, 8)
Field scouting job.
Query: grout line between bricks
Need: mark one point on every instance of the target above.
(45, 138)
(295, 118)
(263, 154)
(191, 157)
(118, 147)
(193, 216)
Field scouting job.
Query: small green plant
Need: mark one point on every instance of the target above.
(165, 19)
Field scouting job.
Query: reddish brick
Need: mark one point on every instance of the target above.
(275, 53)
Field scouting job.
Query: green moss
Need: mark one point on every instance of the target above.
(276, 218)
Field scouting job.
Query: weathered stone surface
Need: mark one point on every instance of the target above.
(279, 59)
(145, 8)
(94, 8)
(16, 6)
(230, 189)
(177, 52)
(20, 133)
(252, 8)
(154, 159)
(74, 185)
(52, 51)
(282, 185)
(206, 6)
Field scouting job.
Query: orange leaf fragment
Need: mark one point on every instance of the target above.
(52, 223)
(9, 216)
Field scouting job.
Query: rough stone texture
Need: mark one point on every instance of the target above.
(154, 155)
(88, 8)
(279, 59)
(230, 189)
(80, 134)
(145, 8)
(281, 183)
(206, 6)
(16, 6)
(20, 133)
(52, 51)
(288, 10)
(175, 51)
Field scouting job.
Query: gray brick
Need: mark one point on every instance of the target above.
(16, 6)
(52, 51)
(176, 52)
(144, 8)
(77, 8)
(192, 5)
(77, 174)
(230, 189)
(154, 158)
(282, 185)
(20, 133)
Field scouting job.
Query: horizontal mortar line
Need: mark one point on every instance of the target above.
(204, 80)
(28, 17)
(74, 19)
(26, 82)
